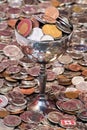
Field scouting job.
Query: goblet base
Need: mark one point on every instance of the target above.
(41, 104)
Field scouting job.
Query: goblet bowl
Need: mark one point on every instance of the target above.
(43, 51)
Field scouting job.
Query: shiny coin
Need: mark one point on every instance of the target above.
(76, 56)
(12, 120)
(58, 70)
(80, 48)
(36, 34)
(46, 38)
(77, 79)
(82, 86)
(65, 59)
(3, 101)
(83, 62)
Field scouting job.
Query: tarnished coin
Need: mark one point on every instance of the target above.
(4, 127)
(52, 12)
(3, 25)
(13, 12)
(12, 120)
(15, 109)
(52, 30)
(36, 34)
(30, 9)
(12, 51)
(13, 69)
(54, 116)
(44, 127)
(77, 79)
(65, 59)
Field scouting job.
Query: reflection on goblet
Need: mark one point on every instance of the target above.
(42, 52)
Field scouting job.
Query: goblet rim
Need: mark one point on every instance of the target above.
(48, 41)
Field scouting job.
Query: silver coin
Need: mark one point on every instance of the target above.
(65, 59)
(36, 34)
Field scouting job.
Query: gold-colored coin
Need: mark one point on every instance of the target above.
(52, 30)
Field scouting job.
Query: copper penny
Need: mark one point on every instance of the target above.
(84, 72)
(35, 23)
(52, 12)
(48, 19)
(75, 67)
(3, 112)
(55, 3)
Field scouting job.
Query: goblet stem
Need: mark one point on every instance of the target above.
(42, 79)
(41, 103)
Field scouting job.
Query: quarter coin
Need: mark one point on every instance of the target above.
(77, 79)
(65, 59)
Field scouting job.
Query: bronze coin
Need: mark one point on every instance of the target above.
(52, 12)
(84, 72)
(35, 23)
(63, 80)
(3, 112)
(48, 19)
(55, 3)
(75, 67)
